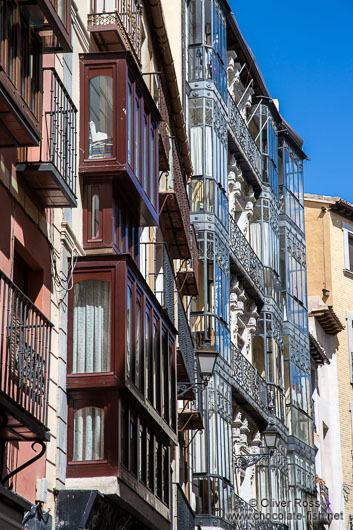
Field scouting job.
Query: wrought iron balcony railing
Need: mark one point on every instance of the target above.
(249, 156)
(242, 516)
(250, 387)
(247, 264)
(324, 509)
(51, 169)
(157, 269)
(185, 515)
(245, 517)
(24, 355)
(185, 342)
(120, 28)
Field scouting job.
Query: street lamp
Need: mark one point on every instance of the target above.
(271, 439)
(206, 356)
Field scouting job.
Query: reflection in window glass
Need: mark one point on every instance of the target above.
(149, 360)
(88, 443)
(145, 154)
(100, 123)
(91, 327)
(137, 139)
(196, 148)
(95, 216)
(129, 364)
(152, 162)
(138, 346)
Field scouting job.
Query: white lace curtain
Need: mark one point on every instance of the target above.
(196, 148)
(91, 327)
(88, 434)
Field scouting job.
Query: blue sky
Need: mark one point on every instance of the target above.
(304, 50)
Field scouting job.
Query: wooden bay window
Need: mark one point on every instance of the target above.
(121, 373)
(119, 120)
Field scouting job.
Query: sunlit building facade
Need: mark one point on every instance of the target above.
(247, 207)
(153, 201)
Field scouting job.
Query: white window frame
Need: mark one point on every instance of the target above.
(349, 320)
(347, 230)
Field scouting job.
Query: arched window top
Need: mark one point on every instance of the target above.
(100, 117)
(88, 443)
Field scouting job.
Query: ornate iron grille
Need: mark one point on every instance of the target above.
(245, 517)
(245, 257)
(186, 344)
(242, 515)
(186, 517)
(249, 379)
(127, 16)
(243, 138)
(168, 276)
(24, 350)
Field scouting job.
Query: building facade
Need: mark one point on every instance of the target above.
(330, 243)
(153, 217)
(98, 263)
(248, 210)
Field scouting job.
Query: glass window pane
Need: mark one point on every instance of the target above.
(138, 347)
(91, 327)
(88, 441)
(95, 216)
(137, 139)
(100, 123)
(129, 363)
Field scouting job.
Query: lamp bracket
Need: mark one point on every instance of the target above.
(183, 388)
(243, 461)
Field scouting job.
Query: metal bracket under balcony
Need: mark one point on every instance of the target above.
(190, 420)
(172, 219)
(186, 281)
(249, 389)
(246, 264)
(117, 30)
(244, 147)
(187, 277)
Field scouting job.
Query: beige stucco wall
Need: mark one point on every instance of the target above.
(172, 11)
(325, 258)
